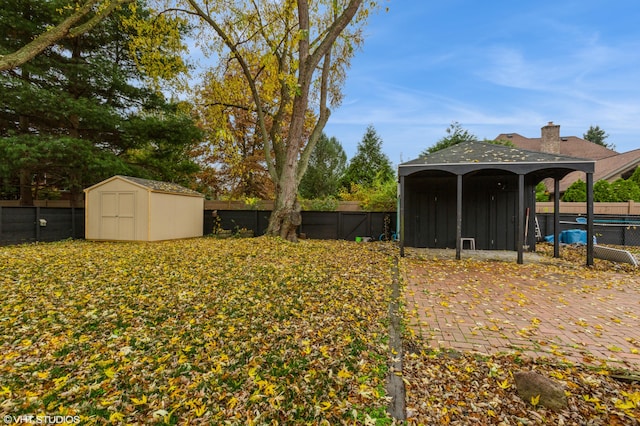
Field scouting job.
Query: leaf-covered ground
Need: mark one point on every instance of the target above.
(470, 389)
(252, 331)
(466, 388)
(200, 331)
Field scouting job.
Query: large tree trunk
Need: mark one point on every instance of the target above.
(75, 189)
(25, 176)
(26, 196)
(285, 217)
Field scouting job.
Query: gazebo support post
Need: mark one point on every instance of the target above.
(520, 222)
(459, 217)
(402, 218)
(589, 219)
(556, 217)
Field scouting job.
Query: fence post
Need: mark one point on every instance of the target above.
(73, 222)
(37, 223)
(256, 223)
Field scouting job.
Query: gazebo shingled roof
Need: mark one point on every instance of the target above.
(471, 156)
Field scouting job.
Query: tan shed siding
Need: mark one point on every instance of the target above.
(90, 227)
(175, 216)
(142, 213)
(195, 220)
(122, 209)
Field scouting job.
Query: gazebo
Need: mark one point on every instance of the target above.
(485, 193)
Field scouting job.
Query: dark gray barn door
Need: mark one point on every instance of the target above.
(502, 220)
(436, 219)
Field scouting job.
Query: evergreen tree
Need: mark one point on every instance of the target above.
(325, 170)
(503, 142)
(455, 135)
(78, 112)
(597, 136)
(370, 164)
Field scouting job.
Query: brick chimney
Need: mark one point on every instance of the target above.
(550, 138)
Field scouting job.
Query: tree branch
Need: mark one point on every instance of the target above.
(63, 30)
(325, 112)
(252, 85)
(224, 104)
(83, 28)
(334, 31)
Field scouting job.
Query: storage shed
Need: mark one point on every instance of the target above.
(124, 208)
(482, 192)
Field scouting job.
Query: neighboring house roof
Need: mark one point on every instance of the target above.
(610, 165)
(609, 169)
(569, 145)
(153, 185)
(466, 157)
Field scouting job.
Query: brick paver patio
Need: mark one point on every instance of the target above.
(540, 309)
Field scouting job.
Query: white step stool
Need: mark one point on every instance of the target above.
(471, 241)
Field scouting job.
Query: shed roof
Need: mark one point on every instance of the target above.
(471, 156)
(153, 185)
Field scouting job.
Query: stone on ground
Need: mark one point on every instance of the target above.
(530, 385)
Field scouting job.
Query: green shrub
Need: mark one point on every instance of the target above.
(326, 204)
(577, 192)
(382, 197)
(541, 192)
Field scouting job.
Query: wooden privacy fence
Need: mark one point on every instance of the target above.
(319, 225)
(30, 224)
(341, 206)
(627, 208)
(631, 208)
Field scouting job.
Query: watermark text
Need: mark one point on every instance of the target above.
(40, 420)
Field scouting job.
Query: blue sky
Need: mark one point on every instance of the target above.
(495, 67)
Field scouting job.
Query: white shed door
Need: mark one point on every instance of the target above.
(117, 218)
